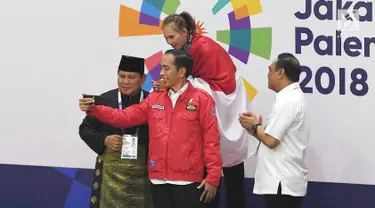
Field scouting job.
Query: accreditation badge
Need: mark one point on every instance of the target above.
(129, 147)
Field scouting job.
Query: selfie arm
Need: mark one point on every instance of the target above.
(134, 115)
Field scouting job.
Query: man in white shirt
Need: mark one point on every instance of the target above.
(281, 173)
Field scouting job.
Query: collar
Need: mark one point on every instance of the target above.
(133, 97)
(286, 90)
(180, 91)
(187, 87)
(190, 41)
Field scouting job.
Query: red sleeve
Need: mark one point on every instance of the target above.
(211, 141)
(134, 115)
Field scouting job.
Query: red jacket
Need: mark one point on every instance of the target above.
(182, 140)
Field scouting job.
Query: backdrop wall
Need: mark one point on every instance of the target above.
(53, 51)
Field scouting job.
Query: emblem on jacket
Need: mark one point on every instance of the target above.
(191, 107)
(152, 163)
(156, 106)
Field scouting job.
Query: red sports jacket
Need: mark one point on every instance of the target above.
(182, 140)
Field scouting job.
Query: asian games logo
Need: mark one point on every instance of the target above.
(241, 38)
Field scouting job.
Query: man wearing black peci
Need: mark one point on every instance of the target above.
(119, 182)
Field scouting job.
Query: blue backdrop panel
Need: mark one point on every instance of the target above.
(50, 187)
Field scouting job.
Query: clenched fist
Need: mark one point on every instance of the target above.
(113, 141)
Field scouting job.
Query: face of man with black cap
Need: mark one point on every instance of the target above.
(131, 75)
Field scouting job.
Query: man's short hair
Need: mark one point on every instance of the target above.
(182, 59)
(290, 64)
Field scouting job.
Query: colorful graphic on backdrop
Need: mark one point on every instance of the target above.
(249, 7)
(146, 21)
(241, 38)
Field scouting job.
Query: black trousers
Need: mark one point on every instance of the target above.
(234, 178)
(282, 201)
(177, 196)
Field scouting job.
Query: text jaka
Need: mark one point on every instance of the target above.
(332, 13)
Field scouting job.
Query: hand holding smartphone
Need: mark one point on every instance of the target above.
(98, 100)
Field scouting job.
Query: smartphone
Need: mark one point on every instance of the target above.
(97, 98)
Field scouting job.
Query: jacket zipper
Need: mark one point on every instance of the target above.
(169, 135)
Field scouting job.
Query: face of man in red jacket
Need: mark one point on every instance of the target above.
(169, 74)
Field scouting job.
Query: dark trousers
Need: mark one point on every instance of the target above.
(282, 201)
(234, 178)
(177, 196)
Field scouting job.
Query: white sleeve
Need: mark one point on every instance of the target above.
(281, 120)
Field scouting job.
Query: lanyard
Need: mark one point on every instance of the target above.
(119, 99)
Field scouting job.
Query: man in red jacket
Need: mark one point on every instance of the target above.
(184, 135)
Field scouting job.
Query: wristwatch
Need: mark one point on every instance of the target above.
(255, 127)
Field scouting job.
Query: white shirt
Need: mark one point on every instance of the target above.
(173, 96)
(288, 122)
